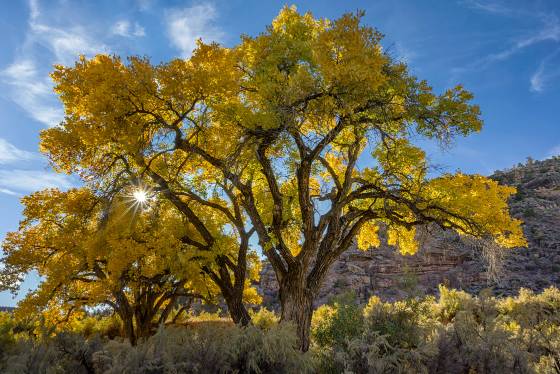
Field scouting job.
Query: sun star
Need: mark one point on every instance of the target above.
(140, 196)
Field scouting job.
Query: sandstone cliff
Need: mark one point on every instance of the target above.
(445, 258)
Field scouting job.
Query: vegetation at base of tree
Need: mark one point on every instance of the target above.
(454, 333)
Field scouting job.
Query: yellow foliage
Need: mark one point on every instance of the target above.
(368, 236)
(403, 238)
(482, 204)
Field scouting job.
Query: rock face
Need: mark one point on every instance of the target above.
(445, 258)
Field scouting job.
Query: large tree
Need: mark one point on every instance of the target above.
(127, 254)
(306, 132)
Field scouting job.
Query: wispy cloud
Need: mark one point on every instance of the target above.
(537, 79)
(185, 26)
(9, 153)
(66, 43)
(401, 52)
(32, 91)
(28, 85)
(9, 192)
(24, 181)
(548, 30)
(128, 30)
(488, 6)
(548, 70)
(144, 5)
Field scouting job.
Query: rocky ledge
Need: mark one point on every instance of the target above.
(445, 258)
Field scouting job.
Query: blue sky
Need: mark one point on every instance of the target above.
(506, 52)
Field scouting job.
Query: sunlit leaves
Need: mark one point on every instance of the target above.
(403, 238)
(368, 237)
(478, 205)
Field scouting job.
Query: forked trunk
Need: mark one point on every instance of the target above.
(297, 307)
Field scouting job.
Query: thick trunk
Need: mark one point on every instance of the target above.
(143, 326)
(237, 310)
(297, 307)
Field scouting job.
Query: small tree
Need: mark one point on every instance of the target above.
(89, 252)
(303, 134)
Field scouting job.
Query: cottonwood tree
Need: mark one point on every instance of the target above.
(116, 130)
(124, 254)
(305, 131)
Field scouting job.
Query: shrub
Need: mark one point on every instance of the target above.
(64, 353)
(455, 333)
(264, 318)
(7, 338)
(88, 326)
(332, 325)
(208, 348)
(211, 349)
(450, 303)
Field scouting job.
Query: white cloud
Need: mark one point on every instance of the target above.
(126, 29)
(8, 192)
(185, 26)
(31, 180)
(537, 79)
(30, 86)
(9, 153)
(66, 45)
(488, 6)
(32, 92)
(546, 72)
(548, 31)
(34, 9)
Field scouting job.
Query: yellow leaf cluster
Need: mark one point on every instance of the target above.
(368, 236)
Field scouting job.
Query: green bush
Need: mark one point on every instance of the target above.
(456, 333)
(334, 324)
(381, 338)
(64, 353)
(213, 349)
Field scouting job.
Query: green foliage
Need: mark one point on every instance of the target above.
(456, 333)
(334, 324)
(7, 338)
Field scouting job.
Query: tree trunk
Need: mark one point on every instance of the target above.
(143, 326)
(237, 310)
(128, 327)
(297, 307)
